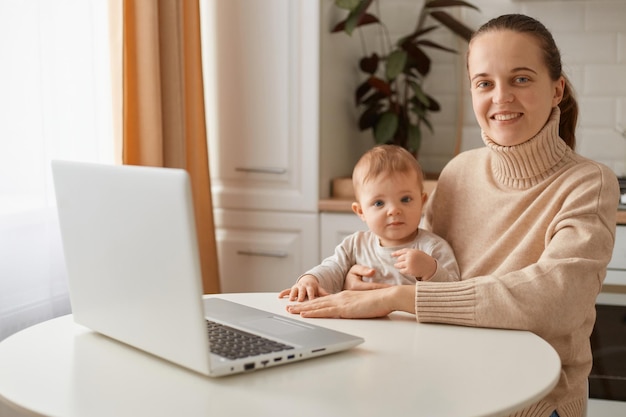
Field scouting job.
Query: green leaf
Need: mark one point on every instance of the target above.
(427, 123)
(395, 64)
(347, 4)
(366, 19)
(386, 127)
(415, 138)
(354, 19)
(420, 95)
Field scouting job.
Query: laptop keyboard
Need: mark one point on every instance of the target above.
(235, 344)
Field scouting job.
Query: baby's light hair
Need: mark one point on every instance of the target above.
(385, 160)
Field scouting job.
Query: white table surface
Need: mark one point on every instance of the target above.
(404, 368)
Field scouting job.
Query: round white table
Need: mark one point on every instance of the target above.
(59, 368)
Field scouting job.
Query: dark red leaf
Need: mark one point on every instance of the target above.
(433, 104)
(415, 34)
(369, 64)
(435, 45)
(419, 60)
(453, 24)
(447, 3)
(380, 85)
(369, 117)
(361, 91)
(374, 98)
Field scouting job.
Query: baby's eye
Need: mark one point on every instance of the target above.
(406, 199)
(378, 203)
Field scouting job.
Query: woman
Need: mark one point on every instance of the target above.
(531, 222)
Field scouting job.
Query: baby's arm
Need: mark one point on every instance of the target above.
(415, 262)
(308, 286)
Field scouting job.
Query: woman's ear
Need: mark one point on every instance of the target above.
(559, 90)
(358, 210)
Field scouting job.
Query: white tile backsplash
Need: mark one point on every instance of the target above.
(603, 81)
(582, 48)
(605, 16)
(596, 112)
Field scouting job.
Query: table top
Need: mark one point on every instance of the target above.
(59, 368)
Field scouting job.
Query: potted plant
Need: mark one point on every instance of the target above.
(394, 104)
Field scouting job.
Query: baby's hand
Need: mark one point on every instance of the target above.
(415, 262)
(307, 287)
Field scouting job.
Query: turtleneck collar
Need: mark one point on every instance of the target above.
(527, 164)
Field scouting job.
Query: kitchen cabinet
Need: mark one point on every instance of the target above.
(264, 251)
(261, 61)
(334, 227)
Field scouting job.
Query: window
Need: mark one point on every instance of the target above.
(55, 103)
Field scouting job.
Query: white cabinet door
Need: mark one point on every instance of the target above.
(334, 228)
(262, 94)
(264, 251)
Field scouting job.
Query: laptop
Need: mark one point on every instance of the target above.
(131, 253)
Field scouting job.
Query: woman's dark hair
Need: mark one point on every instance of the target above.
(552, 58)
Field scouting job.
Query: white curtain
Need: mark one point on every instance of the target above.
(55, 103)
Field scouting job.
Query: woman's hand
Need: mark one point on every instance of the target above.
(359, 304)
(354, 279)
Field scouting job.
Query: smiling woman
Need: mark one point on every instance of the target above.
(56, 104)
(506, 92)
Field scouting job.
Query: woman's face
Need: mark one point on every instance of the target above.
(512, 93)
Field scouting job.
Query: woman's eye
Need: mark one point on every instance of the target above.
(483, 84)
(521, 80)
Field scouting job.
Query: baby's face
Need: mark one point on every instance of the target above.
(392, 207)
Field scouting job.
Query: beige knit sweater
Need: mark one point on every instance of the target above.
(533, 228)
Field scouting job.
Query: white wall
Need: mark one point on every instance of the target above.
(590, 33)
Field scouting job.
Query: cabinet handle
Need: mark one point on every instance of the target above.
(262, 170)
(270, 254)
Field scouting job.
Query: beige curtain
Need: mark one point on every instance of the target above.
(163, 121)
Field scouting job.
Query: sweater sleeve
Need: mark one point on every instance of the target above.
(447, 267)
(332, 271)
(546, 296)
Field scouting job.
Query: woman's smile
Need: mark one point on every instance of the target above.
(504, 117)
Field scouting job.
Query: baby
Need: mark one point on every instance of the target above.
(388, 186)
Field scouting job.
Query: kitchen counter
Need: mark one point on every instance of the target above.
(342, 188)
(343, 202)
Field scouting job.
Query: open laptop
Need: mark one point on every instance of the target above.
(131, 252)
